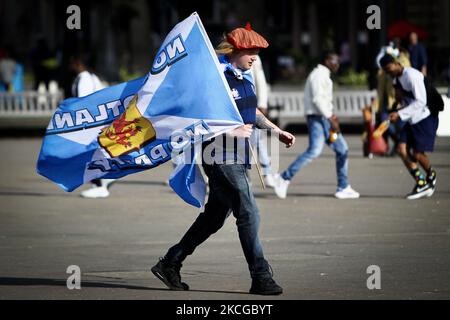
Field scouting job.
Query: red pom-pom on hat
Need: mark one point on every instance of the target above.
(246, 38)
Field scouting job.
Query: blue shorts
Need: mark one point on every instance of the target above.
(420, 136)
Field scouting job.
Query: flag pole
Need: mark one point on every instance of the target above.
(257, 166)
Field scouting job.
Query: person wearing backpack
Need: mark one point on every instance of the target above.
(86, 82)
(420, 108)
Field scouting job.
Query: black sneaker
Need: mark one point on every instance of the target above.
(170, 275)
(431, 179)
(419, 191)
(265, 286)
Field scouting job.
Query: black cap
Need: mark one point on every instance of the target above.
(386, 59)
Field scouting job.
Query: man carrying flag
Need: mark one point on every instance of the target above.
(140, 124)
(229, 187)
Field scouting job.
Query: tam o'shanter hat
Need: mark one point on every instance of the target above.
(246, 38)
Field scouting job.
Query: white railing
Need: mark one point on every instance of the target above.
(288, 106)
(29, 104)
(285, 106)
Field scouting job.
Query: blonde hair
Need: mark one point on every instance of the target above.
(225, 48)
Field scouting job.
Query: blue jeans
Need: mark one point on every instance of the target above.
(319, 128)
(229, 192)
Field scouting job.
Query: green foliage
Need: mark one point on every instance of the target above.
(353, 78)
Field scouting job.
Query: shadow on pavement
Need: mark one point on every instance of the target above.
(154, 183)
(62, 283)
(34, 194)
(324, 195)
(13, 281)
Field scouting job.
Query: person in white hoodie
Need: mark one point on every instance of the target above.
(259, 138)
(86, 83)
(323, 127)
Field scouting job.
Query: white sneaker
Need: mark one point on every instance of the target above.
(107, 182)
(95, 192)
(420, 192)
(269, 181)
(431, 192)
(347, 193)
(280, 186)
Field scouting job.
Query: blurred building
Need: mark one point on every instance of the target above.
(123, 36)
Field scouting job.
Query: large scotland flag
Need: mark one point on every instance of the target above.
(140, 124)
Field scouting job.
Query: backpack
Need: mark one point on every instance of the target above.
(434, 99)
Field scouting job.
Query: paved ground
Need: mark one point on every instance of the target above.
(319, 247)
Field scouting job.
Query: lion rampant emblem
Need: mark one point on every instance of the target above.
(128, 132)
(122, 130)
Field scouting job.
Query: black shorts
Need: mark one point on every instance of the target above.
(420, 136)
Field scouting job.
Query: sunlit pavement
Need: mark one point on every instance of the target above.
(319, 247)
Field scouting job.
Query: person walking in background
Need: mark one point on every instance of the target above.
(85, 83)
(258, 138)
(419, 132)
(386, 91)
(345, 57)
(228, 183)
(417, 53)
(323, 127)
(8, 70)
